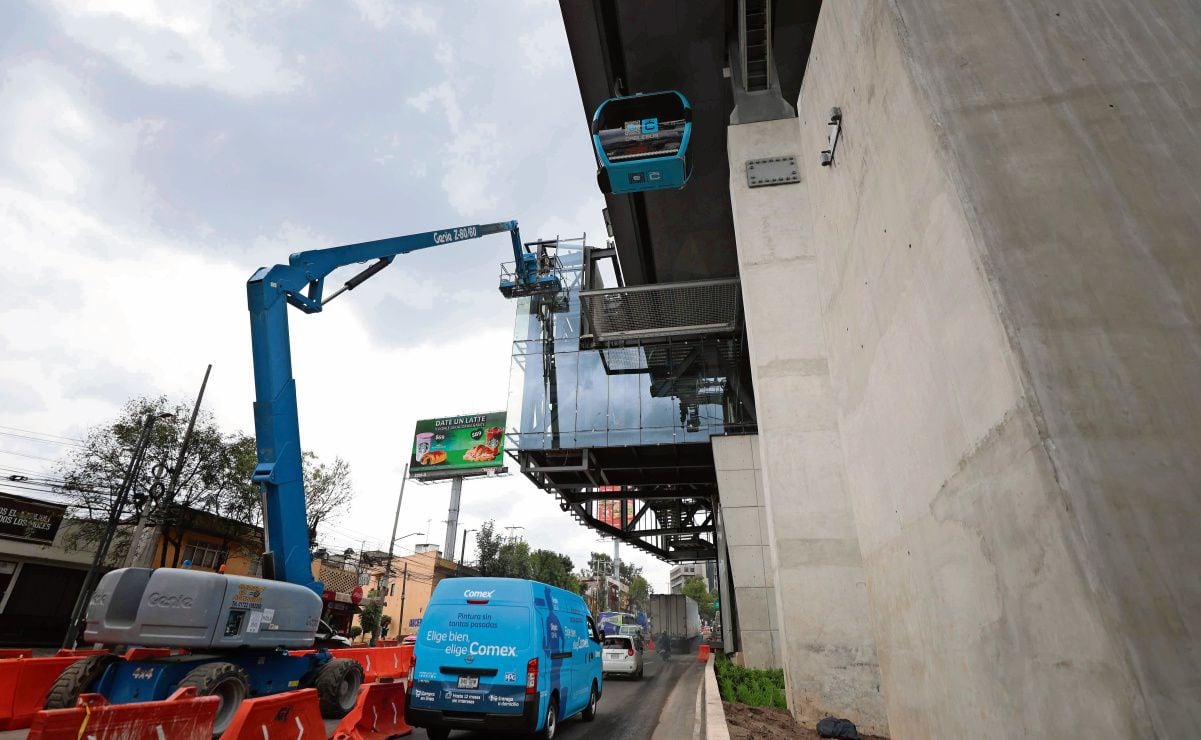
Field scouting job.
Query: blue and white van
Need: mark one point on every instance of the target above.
(503, 655)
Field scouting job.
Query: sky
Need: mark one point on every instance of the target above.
(154, 153)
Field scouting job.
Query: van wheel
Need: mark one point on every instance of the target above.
(225, 681)
(337, 685)
(590, 710)
(552, 721)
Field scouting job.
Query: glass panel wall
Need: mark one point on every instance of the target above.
(650, 393)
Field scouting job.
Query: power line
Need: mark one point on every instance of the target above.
(40, 439)
(23, 454)
(41, 434)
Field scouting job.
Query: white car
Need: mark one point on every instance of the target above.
(622, 654)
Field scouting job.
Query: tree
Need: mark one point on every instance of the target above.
(214, 479)
(694, 588)
(327, 491)
(555, 569)
(371, 618)
(487, 549)
(640, 593)
(93, 474)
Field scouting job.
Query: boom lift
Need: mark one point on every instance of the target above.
(238, 630)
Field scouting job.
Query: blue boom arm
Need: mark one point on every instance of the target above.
(277, 427)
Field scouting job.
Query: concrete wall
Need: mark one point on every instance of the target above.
(743, 519)
(1010, 291)
(829, 657)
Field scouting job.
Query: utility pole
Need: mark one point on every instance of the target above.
(131, 474)
(144, 540)
(392, 542)
(404, 586)
(463, 554)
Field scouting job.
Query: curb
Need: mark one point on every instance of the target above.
(715, 727)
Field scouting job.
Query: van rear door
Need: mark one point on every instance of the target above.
(473, 657)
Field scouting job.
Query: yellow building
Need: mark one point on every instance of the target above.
(409, 586)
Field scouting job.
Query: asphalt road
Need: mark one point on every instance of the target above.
(629, 709)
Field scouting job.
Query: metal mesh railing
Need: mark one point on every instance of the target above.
(702, 307)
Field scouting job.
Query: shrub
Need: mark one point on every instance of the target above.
(750, 686)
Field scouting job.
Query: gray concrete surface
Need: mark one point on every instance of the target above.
(745, 526)
(1009, 283)
(829, 656)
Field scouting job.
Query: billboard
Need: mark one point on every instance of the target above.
(25, 519)
(609, 510)
(458, 445)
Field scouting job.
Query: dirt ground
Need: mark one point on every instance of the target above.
(762, 723)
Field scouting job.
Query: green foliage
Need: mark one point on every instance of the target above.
(512, 558)
(694, 588)
(371, 618)
(640, 593)
(355, 631)
(750, 686)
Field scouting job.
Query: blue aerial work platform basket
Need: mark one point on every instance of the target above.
(641, 142)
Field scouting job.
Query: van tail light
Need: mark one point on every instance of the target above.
(531, 676)
(630, 652)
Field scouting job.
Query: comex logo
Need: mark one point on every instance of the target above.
(472, 594)
(169, 600)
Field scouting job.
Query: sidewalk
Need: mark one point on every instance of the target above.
(693, 710)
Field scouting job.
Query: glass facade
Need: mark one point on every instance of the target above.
(649, 393)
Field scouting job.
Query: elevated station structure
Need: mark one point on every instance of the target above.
(948, 459)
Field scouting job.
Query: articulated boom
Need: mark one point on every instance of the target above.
(301, 283)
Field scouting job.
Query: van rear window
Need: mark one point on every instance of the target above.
(466, 623)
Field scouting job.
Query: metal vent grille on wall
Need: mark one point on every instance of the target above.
(697, 308)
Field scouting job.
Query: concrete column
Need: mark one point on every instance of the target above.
(828, 651)
(743, 521)
(1010, 291)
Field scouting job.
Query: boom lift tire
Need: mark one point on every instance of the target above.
(337, 685)
(77, 679)
(227, 682)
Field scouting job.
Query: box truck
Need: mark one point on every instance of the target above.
(677, 616)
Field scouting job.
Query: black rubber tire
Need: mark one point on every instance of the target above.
(226, 681)
(337, 685)
(551, 723)
(589, 712)
(437, 733)
(77, 679)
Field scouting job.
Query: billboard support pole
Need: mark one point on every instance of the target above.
(452, 518)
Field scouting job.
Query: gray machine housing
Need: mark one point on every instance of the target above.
(171, 607)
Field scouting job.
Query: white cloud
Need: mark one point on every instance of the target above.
(470, 156)
(544, 47)
(200, 43)
(381, 13)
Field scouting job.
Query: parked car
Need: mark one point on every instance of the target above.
(409, 640)
(327, 638)
(503, 655)
(623, 654)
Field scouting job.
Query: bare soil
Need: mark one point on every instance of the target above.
(764, 723)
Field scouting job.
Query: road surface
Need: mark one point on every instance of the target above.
(629, 709)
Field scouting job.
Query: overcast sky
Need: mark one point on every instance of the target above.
(154, 153)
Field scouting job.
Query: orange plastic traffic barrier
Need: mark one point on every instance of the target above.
(286, 715)
(79, 653)
(378, 714)
(6, 653)
(385, 642)
(387, 662)
(24, 683)
(702, 655)
(182, 716)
